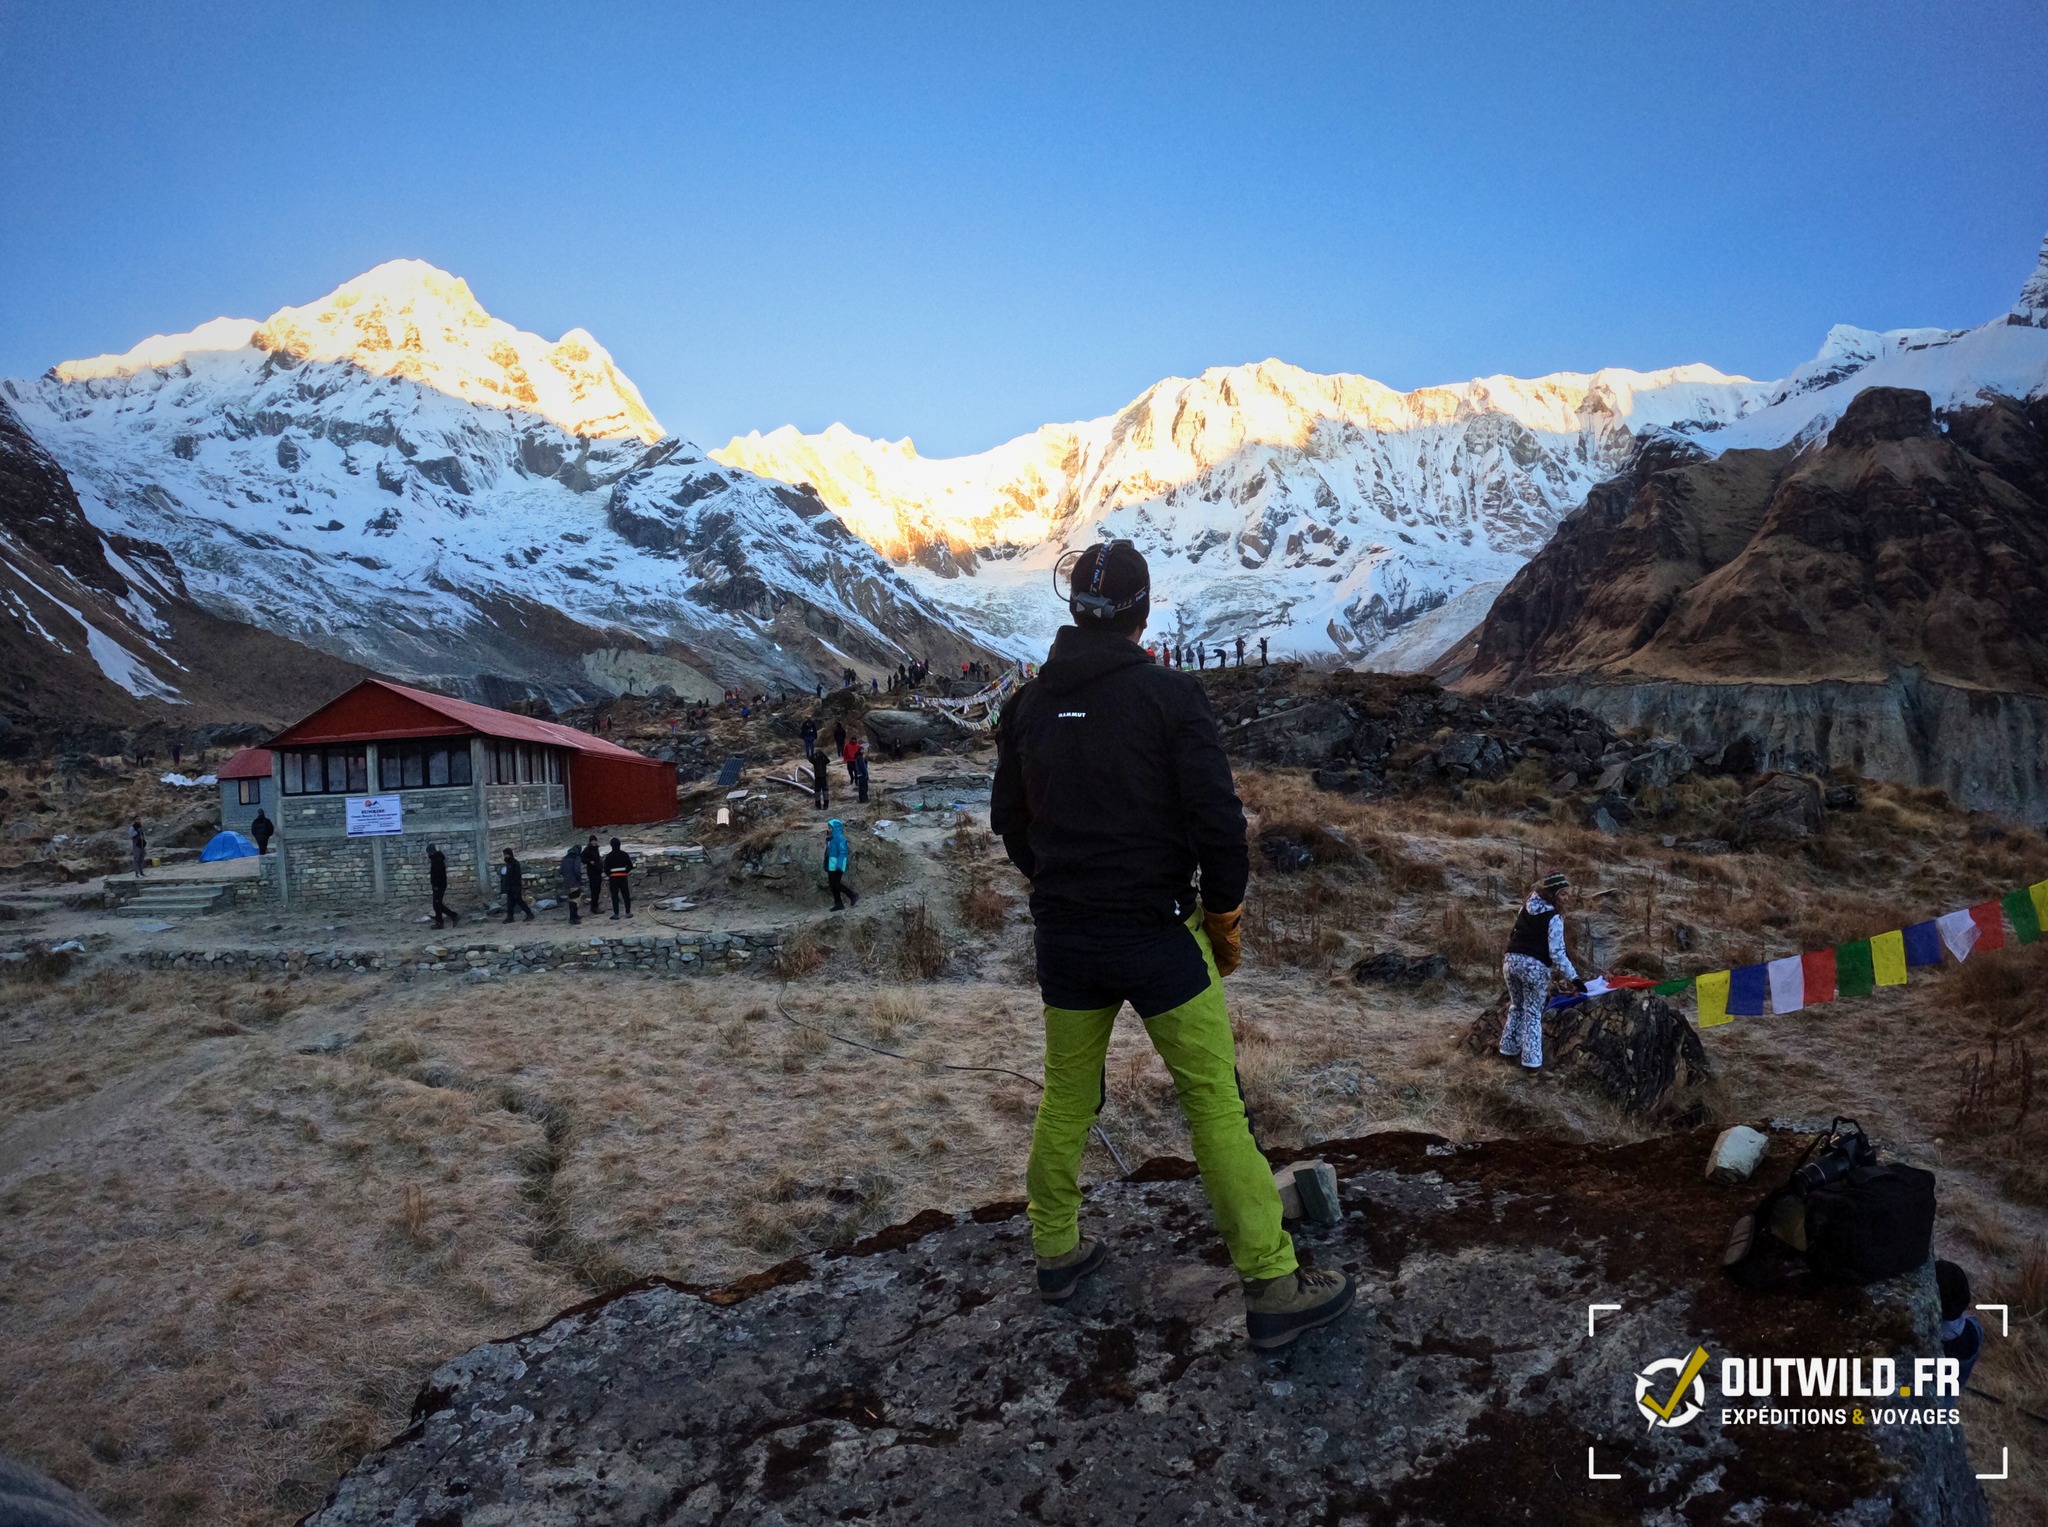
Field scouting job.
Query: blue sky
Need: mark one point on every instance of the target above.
(963, 220)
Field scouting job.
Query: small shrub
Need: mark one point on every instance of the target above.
(920, 946)
(1463, 942)
(800, 955)
(983, 907)
(412, 1215)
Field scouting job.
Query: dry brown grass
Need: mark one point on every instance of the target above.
(983, 907)
(921, 951)
(233, 1277)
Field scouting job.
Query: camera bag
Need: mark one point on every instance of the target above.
(1873, 1224)
(1860, 1224)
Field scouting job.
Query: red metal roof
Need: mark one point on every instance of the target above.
(250, 763)
(377, 709)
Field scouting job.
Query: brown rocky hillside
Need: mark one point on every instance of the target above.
(1877, 601)
(76, 604)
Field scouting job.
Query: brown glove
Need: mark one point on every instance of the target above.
(1223, 938)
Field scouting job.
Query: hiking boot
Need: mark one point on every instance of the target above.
(1276, 1310)
(1059, 1276)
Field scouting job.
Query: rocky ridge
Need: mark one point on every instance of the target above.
(1874, 601)
(916, 1377)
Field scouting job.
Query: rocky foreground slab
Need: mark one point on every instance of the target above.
(916, 1378)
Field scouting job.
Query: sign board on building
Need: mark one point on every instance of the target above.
(375, 816)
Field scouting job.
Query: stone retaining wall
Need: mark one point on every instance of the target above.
(670, 954)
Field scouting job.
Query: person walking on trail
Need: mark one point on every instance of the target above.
(860, 770)
(1111, 793)
(261, 829)
(849, 754)
(1240, 652)
(437, 882)
(593, 871)
(838, 859)
(618, 864)
(821, 782)
(1535, 953)
(512, 881)
(570, 872)
(138, 847)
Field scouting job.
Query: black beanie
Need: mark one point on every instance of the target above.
(1114, 571)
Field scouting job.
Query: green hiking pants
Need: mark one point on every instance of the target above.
(1195, 1042)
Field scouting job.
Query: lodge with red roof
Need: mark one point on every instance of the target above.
(359, 788)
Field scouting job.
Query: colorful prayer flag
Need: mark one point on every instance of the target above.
(2026, 922)
(1672, 988)
(1888, 958)
(1747, 985)
(2038, 894)
(1990, 921)
(1958, 932)
(1923, 944)
(1820, 975)
(1855, 974)
(1788, 984)
(1713, 998)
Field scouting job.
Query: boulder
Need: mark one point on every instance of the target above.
(908, 731)
(1303, 735)
(1782, 808)
(915, 1378)
(29, 1499)
(1659, 767)
(1631, 1047)
(1393, 969)
(1283, 853)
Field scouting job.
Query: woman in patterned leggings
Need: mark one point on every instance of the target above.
(1535, 954)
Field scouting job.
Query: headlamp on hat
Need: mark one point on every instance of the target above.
(1106, 580)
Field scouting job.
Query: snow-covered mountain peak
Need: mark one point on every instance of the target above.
(161, 350)
(406, 318)
(409, 319)
(2032, 308)
(1328, 509)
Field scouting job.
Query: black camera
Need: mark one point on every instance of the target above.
(1834, 1156)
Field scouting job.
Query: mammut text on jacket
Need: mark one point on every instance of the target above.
(1112, 788)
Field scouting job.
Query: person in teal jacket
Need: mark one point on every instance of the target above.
(838, 856)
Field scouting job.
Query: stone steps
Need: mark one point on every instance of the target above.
(188, 898)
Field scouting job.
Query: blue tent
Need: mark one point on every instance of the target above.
(227, 845)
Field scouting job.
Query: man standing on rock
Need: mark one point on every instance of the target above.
(1535, 952)
(1111, 791)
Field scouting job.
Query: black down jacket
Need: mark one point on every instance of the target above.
(1112, 789)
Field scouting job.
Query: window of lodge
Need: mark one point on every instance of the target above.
(423, 765)
(521, 763)
(327, 771)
